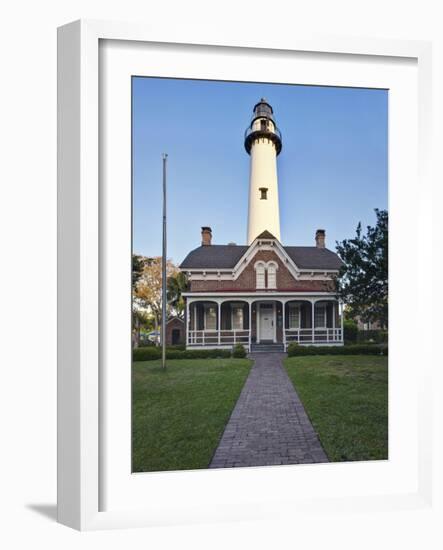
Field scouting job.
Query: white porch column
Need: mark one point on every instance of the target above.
(341, 322)
(188, 320)
(284, 323)
(334, 336)
(219, 321)
(250, 326)
(313, 320)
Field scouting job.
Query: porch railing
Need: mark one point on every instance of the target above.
(314, 336)
(218, 338)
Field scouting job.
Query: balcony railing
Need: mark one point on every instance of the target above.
(263, 131)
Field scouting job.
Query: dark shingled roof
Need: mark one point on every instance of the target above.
(311, 257)
(214, 256)
(221, 256)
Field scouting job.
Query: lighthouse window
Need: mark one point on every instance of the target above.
(263, 193)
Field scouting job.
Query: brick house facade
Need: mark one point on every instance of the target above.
(264, 293)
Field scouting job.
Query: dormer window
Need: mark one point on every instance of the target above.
(263, 193)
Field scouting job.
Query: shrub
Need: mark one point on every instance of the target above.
(146, 354)
(151, 354)
(377, 336)
(238, 351)
(295, 350)
(180, 347)
(350, 331)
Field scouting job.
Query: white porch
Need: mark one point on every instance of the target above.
(222, 320)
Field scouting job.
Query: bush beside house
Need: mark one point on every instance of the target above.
(350, 331)
(239, 351)
(153, 353)
(372, 336)
(295, 350)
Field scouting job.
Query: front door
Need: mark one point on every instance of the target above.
(267, 322)
(175, 336)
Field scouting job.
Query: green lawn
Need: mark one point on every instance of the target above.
(179, 415)
(346, 398)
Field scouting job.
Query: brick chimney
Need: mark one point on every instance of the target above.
(206, 236)
(320, 238)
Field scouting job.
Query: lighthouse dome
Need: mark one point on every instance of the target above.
(263, 109)
(263, 126)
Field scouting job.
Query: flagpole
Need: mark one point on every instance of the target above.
(164, 251)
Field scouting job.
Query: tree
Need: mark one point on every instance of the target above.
(177, 284)
(363, 280)
(138, 262)
(140, 319)
(148, 288)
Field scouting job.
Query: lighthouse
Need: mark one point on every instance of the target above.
(263, 143)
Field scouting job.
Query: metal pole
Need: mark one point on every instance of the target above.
(164, 252)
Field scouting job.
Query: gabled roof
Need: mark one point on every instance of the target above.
(311, 257)
(227, 256)
(214, 256)
(266, 235)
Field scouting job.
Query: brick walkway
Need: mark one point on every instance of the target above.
(269, 424)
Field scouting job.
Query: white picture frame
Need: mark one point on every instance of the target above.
(80, 367)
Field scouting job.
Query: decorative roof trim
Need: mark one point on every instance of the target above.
(254, 247)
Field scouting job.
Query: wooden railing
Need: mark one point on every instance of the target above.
(307, 336)
(218, 337)
(314, 336)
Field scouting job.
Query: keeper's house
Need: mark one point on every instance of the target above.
(263, 294)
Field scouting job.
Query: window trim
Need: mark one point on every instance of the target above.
(325, 316)
(241, 307)
(275, 266)
(298, 308)
(260, 266)
(207, 307)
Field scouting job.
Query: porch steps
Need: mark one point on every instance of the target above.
(267, 348)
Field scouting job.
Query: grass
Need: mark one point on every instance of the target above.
(179, 415)
(346, 398)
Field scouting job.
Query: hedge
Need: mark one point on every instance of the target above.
(295, 350)
(377, 336)
(150, 354)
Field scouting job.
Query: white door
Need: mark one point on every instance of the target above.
(267, 315)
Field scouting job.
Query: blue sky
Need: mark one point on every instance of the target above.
(332, 169)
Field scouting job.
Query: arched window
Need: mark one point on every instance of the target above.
(260, 275)
(272, 275)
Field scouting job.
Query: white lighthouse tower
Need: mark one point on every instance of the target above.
(263, 143)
